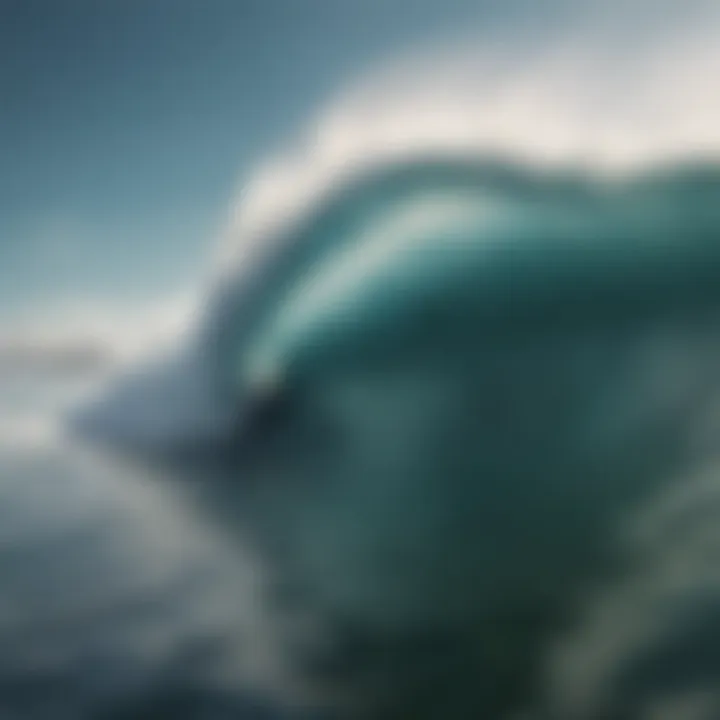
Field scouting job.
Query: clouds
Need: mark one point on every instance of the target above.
(111, 331)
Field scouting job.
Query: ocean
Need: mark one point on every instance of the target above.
(114, 601)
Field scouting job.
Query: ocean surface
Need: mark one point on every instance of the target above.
(114, 602)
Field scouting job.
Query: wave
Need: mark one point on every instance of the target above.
(634, 256)
(547, 204)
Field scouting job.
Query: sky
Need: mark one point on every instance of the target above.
(127, 127)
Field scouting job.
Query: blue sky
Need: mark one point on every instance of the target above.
(125, 125)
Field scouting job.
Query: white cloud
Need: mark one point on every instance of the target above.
(119, 329)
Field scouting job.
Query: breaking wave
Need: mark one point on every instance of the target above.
(571, 127)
